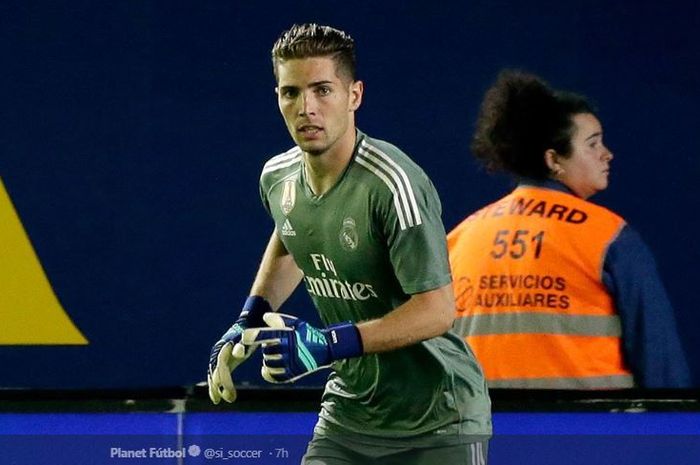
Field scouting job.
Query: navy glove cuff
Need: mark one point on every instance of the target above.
(344, 341)
(253, 310)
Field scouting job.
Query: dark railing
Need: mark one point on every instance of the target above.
(194, 398)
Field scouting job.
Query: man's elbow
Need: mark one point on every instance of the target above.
(446, 319)
(438, 311)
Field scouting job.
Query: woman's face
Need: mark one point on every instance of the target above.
(586, 170)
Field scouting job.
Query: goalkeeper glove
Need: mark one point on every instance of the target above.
(228, 352)
(292, 348)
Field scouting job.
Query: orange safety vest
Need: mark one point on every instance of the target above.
(527, 273)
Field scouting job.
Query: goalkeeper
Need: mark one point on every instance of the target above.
(359, 223)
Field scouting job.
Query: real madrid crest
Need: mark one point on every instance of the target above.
(289, 196)
(348, 235)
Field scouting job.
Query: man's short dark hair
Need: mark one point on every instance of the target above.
(312, 40)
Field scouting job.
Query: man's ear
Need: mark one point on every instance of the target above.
(356, 90)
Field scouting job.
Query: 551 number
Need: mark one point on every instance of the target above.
(516, 243)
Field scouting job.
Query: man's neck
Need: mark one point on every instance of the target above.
(323, 170)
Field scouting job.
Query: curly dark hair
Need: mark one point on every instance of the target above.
(521, 117)
(313, 40)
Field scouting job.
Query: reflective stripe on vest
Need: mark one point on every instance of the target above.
(538, 323)
(592, 382)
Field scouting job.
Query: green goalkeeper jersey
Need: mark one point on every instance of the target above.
(365, 246)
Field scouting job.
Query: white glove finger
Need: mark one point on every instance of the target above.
(249, 336)
(278, 320)
(267, 376)
(213, 390)
(274, 371)
(213, 378)
(240, 354)
(224, 357)
(224, 384)
(267, 357)
(222, 374)
(254, 337)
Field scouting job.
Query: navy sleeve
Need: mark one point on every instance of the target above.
(650, 339)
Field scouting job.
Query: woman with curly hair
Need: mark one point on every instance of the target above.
(554, 291)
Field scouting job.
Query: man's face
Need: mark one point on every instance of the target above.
(317, 105)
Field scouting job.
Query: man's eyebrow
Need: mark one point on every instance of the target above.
(319, 83)
(311, 84)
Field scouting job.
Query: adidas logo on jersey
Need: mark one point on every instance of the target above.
(287, 229)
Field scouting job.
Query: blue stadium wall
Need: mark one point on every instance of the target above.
(133, 134)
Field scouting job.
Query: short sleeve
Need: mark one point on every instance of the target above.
(262, 191)
(415, 235)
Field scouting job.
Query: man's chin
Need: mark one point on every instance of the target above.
(314, 149)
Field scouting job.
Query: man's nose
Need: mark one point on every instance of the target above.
(307, 104)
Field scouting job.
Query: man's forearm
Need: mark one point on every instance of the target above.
(423, 316)
(278, 274)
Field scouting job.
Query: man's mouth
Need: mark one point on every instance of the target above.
(309, 129)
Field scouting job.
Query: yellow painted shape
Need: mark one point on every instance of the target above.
(30, 313)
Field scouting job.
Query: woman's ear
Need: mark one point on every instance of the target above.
(551, 158)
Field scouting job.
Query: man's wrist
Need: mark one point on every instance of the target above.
(344, 341)
(254, 308)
